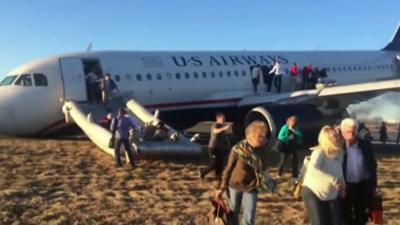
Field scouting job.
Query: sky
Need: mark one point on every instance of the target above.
(42, 28)
(37, 29)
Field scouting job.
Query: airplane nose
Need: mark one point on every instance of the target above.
(7, 115)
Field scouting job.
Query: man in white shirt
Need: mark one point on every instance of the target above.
(278, 71)
(359, 169)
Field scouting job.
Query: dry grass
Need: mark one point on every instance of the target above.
(72, 182)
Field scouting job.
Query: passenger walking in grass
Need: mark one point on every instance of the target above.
(242, 173)
(359, 170)
(120, 127)
(383, 133)
(217, 147)
(323, 182)
(290, 138)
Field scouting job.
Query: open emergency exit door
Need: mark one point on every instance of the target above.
(74, 79)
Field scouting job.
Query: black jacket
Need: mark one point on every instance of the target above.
(369, 162)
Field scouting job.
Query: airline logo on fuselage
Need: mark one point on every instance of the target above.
(230, 60)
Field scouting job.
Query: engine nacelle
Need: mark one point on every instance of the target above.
(310, 119)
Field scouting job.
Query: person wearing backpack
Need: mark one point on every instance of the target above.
(323, 184)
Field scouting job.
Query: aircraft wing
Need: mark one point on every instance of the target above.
(351, 93)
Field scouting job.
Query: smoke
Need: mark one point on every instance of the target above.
(385, 107)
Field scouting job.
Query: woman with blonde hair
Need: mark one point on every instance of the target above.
(323, 182)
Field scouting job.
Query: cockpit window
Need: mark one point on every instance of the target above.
(24, 80)
(8, 80)
(40, 79)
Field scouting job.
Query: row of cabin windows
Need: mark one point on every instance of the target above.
(236, 73)
(185, 75)
(39, 79)
(360, 68)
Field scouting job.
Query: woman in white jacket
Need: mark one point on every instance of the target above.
(323, 182)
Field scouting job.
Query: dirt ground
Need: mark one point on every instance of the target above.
(73, 182)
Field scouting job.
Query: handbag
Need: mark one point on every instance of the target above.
(298, 186)
(111, 142)
(375, 209)
(297, 189)
(220, 213)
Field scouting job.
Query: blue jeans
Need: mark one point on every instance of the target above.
(321, 212)
(249, 200)
(127, 145)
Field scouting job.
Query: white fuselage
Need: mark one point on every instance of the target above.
(169, 80)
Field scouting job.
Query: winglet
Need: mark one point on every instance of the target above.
(394, 44)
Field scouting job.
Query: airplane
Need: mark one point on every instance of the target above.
(191, 86)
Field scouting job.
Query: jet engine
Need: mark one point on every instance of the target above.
(310, 119)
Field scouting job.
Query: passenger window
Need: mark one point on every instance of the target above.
(169, 76)
(148, 76)
(40, 79)
(333, 69)
(228, 73)
(212, 74)
(138, 77)
(221, 74)
(195, 75)
(117, 78)
(244, 73)
(159, 76)
(204, 74)
(187, 75)
(349, 68)
(178, 76)
(236, 73)
(24, 80)
(355, 68)
(339, 69)
(391, 66)
(344, 68)
(128, 77)
(359, 68)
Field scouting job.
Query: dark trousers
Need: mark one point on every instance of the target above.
(255, 82)
(304, 85)
(283, 158)
(321, 212)
(268, 81)
(398, 138)
(127, 145)
(355, 204)
(218, 160)
(278, 83)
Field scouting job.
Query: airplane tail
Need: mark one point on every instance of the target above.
(394, 44)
